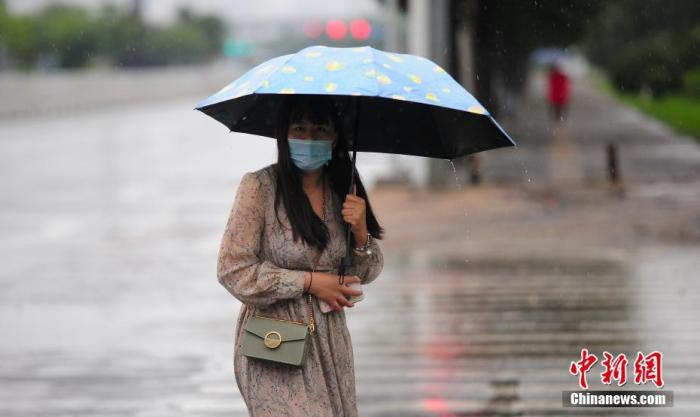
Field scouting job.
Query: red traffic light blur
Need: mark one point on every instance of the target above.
(313, 29)
(360, 29)
(336, 29)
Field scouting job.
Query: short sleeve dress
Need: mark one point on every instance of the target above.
(260, 264)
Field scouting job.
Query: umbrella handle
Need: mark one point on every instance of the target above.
(347, 260)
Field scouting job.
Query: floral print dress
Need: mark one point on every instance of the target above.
(260, 264)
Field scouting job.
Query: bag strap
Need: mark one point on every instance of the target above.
(312, 317)
(309, 305)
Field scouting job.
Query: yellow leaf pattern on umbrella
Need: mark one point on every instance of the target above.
(416, 79)
(333, 66)
(288, 69)
(432, 96)
(398, 97)
(313, 54)
(287, 90)
(394, 58)
(330, 87)
(383, 79)
(308, 78)
(476, 109)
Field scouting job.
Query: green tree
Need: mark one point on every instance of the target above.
(122, 37)
(647, 44)
(507, 31)
(212, 27)
(72, 37)
(17, 37)
(178, 44)
(68, 32)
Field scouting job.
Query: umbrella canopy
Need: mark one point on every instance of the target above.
(400, 103)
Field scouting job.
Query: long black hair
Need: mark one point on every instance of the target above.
(305, 223)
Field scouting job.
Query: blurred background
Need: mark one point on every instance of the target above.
(499, 267)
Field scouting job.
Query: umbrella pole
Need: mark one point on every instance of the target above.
(346, 262)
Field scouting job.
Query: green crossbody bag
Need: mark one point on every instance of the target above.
(277, 340)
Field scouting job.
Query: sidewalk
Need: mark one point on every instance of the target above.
(574, 151)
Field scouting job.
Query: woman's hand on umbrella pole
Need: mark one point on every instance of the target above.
(354, 213)
(326, 287)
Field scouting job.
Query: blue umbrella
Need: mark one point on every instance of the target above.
(401, 104)
(406, 104)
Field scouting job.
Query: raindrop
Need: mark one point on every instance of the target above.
(454, 170)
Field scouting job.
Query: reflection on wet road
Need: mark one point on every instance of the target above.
(438, 339)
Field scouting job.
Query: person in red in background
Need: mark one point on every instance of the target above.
(558, 93)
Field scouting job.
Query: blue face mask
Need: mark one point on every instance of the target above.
(310, 155)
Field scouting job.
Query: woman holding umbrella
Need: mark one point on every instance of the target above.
(299, 208)
(285, 216)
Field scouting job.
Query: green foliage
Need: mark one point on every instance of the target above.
(121, 37)
(529, 24)
(691, 82)
(71, 37)
(651, 64)
(211, 27)
(646, 45)
(68, 33)
(507, 31)
(681, 112)
(18, 36)
(179, 44)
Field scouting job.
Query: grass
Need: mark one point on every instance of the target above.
(680, 112)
